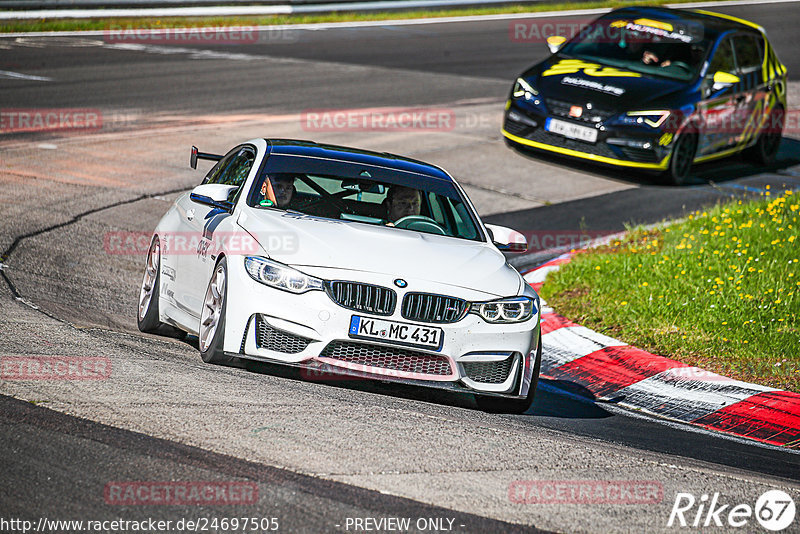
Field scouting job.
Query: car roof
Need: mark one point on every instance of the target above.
(713, 24)
(297, 147)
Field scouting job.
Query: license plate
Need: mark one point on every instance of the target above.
(573, 131)
(412, 335)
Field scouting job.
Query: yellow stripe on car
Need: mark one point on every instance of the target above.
(572, 66)
(730, 17)
(654, 24)
(660, 166)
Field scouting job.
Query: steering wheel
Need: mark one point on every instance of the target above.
(420, 223)
(681, 65)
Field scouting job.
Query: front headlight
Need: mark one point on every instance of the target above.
(653, 118)
(510, 310)
(523, 88)
(280, 276)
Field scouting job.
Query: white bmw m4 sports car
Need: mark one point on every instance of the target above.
(349, 262)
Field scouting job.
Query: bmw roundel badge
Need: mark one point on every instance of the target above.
(400, 283)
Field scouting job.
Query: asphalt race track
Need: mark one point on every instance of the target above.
(318, 452)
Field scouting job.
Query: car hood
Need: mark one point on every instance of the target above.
(300, 240)
(604, 86)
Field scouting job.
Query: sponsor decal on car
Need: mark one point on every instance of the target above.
(596, 86)
(573, 66)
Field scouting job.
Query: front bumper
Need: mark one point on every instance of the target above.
(618, 146)
(311, 331)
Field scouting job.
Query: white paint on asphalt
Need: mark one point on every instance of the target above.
(572, 342)
(19, 76)
(687, 393)
(193, 53)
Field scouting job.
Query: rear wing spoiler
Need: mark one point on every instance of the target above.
(201, 155)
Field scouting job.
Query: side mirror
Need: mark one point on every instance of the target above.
(555, 42)
(723, 80)
(506, 239)
(214, 195)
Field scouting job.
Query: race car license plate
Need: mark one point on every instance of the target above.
(413, 335)
(573, 131)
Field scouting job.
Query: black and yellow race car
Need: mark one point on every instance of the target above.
(655, 89)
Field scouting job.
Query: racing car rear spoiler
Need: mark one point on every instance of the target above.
(201, 155)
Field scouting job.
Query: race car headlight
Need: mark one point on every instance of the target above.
(510, 310)
(523, 89)
(653, 118)
(280, 276)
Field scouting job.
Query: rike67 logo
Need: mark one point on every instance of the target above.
(774, 511)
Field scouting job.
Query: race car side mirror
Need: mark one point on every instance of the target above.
(554, 42)
(214, 195)
(506, 239)
(723, 80)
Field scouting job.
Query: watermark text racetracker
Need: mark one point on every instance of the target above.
(374, 119)
(49, 119)
(54, 368)
(394, 119)
(585, 492)
(539, 30)
(83, 120)
(200, 243)
(212, 35)
(180, 493)
(242, 523)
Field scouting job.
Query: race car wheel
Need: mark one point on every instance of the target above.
(766, 148)
(517, 406)
(147, 313)
(147, 318)
(212, 317)
(682, 157)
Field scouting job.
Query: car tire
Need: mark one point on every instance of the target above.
(514, 406)
(766, 147)
(211, 333)
(683, 153)
(147, 311)
(147, 316)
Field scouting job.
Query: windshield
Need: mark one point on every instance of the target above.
(674, 50)
(431, 206)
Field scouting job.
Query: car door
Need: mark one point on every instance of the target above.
(752, 98)
(200, 223)
(718, 109)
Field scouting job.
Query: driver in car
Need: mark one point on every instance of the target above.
(650, 58)
(401, 202)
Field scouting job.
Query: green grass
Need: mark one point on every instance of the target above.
(7, 26)
(719, 290)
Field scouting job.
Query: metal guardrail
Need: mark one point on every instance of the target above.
(81, 9)
(99, 4)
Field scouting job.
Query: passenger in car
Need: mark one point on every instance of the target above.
(282, 187)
